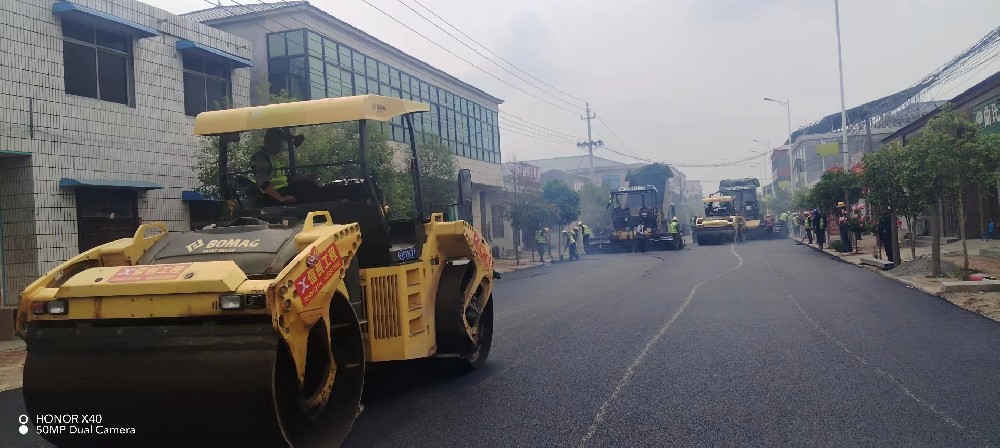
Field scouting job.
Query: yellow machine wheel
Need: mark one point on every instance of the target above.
(453, 315)
(211, 383)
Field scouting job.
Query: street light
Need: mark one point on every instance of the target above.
(763, 166)
(788, 111)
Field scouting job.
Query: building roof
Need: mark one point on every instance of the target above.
(574, 163)
(962, 98)
(234, 13)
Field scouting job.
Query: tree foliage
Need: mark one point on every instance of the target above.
(565, 202)
(833, 187)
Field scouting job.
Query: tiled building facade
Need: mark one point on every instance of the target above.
(97, 99)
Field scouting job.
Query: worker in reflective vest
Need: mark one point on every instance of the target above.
(571, 245)
(586, 233)
(542, 243)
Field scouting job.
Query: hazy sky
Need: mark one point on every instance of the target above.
(681, 80)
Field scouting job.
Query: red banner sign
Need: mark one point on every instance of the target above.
(324, 266)
(150, 272)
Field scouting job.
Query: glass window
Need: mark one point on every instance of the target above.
(359, 63)
(98, 63)
(330, 51)
(372, 68)
(395, 93)
(345, 56)
(317, 79)
(205, 88)
(296, 44)
(334, 88)
(276, 45)
(394, 78)
(315, 44)
(383, 73)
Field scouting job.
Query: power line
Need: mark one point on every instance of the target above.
(483, 55)
(467, 61)
(526, 123)
(498, 56)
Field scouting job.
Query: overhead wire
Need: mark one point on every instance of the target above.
(467, 61)
(483, 55)
(540, 133)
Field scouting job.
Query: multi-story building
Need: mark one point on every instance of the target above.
(692, 188)
(99, 98)
(574, 181)
(781, 171)
(310, 54)
(808, 166)
(607, 173)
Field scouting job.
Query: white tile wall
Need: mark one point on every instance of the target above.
(88, 138)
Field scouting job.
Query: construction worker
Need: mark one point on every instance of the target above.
(845, 233)
(571, 244)
(542, 243)
(783, 218)
(808, 223)
(768, 226)
(586, 233)
(675, 232)
(819, 227)
(272, 180)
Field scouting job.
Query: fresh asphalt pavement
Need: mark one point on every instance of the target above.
(764, 343)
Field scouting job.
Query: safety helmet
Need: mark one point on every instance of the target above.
(675, 219)
(565, 231)
(579, 223)
(841, 204)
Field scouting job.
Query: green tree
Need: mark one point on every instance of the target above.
(833, 187)
(564, 204)
(523, 206)
(888, 188)
(438, 171)
(950, 156)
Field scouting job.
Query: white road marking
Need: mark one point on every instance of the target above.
(630, 371)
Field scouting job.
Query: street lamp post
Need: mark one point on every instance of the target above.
(764, 165)
(788, 112)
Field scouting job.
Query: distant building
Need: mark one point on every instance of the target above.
(574, 181)
(808, 166)
(781, 172)
(607, 173)
(521, 176)
(693, 188)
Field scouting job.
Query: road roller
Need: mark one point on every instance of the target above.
(257, 330)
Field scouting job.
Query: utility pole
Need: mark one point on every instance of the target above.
(843, 107)
(590, 143)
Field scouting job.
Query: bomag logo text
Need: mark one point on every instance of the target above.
(231, 244)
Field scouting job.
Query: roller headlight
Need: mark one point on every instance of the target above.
(231, 302)
(56, 307)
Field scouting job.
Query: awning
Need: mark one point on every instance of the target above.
(102, 20)
(100, 183)
(184, 45)
(194, 196)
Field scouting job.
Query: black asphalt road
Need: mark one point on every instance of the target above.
(762, 344)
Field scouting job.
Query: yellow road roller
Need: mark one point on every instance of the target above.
(257, 331)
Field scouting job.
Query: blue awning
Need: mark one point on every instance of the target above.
(102, 20)
(195, 196)
(205, 50)
(100, 183)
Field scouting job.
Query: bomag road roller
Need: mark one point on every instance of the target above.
(720, 224)
(258, 331)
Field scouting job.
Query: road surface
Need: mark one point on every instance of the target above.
(765, 343)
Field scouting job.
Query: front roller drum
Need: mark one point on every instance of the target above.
(188, 385)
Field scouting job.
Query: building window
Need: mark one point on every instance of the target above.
(206, 84)
(611, 181)
(97, 63)
(498, 227)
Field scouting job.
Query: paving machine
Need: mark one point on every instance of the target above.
(744, 194)
(257, 331)
(636, 213)
(720, 224)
